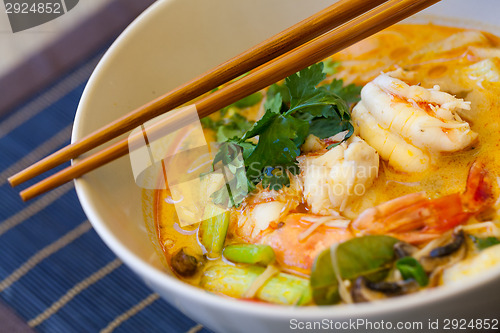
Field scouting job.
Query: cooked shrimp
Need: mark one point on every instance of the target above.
(415, 218)
(453, 42)
(262, 211)
(329, 179)
(408, 125)
(298, 238)
(298, 254)
(332, 178)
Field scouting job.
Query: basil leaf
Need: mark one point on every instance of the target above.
(363, 256)
(483, 243)
(324, 284)
(368, 256)
(410, 268)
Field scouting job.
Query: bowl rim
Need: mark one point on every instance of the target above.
(174, 285)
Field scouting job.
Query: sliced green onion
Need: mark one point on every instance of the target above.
(212, 231)
(410, 268)
(234, 281)
(484, 243)
(250, 254)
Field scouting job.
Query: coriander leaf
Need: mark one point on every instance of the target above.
(410, 268)
(227, 128)
(483, 243)
(209, 123)
(229, 152)
(248, 101)
(330, 67)
(220, 197)
(350, 93)
(278, 145)
(234, 192)
(280, 137)
(272, 107)
(324, 127)
(275, 178)
(231, 155)
(302, 86)
(295, 109)
(247, 148)
(317, 102)
(281, 89)
(235, 127)
(330, 122)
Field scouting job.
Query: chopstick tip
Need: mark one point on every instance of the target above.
(25, 196)
(12, 181)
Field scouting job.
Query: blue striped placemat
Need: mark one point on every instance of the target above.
(55, 272)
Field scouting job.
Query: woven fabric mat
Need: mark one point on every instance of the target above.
(56, 274)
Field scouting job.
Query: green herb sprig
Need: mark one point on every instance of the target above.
(294, 110)
(484, 243)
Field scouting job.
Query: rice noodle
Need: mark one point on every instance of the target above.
(492, 228)
(339, 222)
(339, 136)
(434, 278)
(179, 229)
(431, 245)
(345, 295)
(261, 280)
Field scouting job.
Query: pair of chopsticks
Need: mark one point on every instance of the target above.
(296, 48)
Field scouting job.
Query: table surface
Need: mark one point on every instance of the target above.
(23, 44)
(56, 275)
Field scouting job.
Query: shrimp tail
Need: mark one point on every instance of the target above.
(478, 194)
(455, 209)
(416, 218)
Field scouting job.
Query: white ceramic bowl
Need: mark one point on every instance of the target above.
(174, 41)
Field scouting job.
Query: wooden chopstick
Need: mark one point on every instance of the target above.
(312, 27)
(359, 28)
